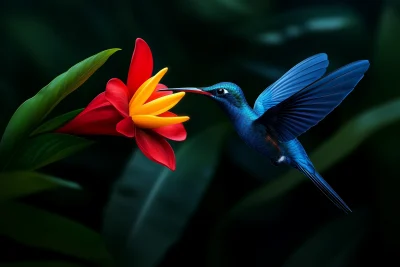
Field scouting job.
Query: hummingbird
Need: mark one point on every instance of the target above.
(287, 108)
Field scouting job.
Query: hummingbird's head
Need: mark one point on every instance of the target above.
(225, 93)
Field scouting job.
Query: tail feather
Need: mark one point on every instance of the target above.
(322, 185)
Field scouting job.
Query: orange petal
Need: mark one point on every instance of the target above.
(151, 121)
(145, 91)
(160, 105)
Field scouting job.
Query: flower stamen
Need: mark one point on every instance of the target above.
(145, 91)
(160, 105)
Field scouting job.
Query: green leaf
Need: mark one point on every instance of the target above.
(345, 141)
(333, 245)
(20, 184)
(32, 112)
(38, 228)
(41, 264)
(44, 149)
(157, 203)
(56, 122)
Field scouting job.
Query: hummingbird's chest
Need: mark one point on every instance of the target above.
(253, 134)
(257, 137)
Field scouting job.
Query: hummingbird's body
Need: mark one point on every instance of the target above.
(286, 109)
(251, 132)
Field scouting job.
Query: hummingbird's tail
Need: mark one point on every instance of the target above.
(308, 169)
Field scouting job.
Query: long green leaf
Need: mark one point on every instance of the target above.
(32, 112)
(346, 140)
(38, 228)
(41, 264)
(158, 202)
(333, 245)
(21, 183)
(44, 149)
(56, 122)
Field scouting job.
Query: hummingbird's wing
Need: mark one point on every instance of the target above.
(298, 77)
(306, 108)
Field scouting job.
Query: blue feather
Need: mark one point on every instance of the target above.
(298, 159)
(298, 77)
(309, 106)
(322, 185)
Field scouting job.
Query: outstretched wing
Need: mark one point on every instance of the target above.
(303, 110)
(298, 77)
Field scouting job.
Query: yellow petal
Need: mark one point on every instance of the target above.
(141, 88)
(145, 91)
(151, 121)
(160, 105)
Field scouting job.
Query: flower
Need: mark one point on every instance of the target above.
(135, 110)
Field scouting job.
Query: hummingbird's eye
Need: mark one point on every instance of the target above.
(222, 91)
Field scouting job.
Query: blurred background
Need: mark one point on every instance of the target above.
(224, 205)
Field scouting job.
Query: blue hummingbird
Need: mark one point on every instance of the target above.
(286, 109)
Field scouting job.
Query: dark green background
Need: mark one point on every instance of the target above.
(205, 42)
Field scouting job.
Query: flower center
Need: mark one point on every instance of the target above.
(144, 115)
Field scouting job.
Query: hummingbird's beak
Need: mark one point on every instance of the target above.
(193, 90)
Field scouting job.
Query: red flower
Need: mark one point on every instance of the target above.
(136, 109)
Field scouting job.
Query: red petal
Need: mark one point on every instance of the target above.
(175, 132)
(156, 94)
(99, 101)
(99, 121)
(126, 127)
(156, 148)
(141, 66)
(117, 94)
